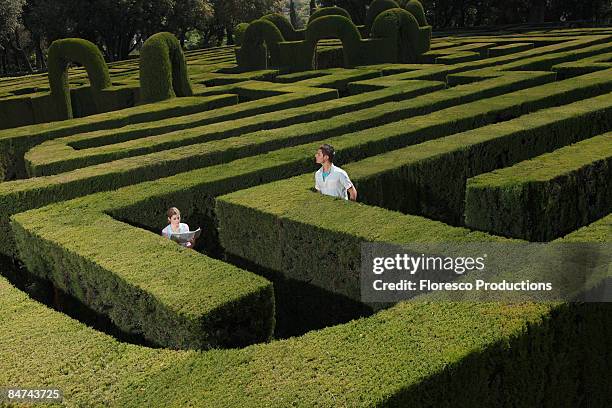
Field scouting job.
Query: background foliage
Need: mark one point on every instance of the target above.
(119, 27)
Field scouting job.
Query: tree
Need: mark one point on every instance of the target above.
(189, 15)
(228, 13)
(10, 11)
(10, 44)
(292, 14)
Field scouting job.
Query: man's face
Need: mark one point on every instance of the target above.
(320, 157)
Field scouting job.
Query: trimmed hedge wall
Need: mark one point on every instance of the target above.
(402, 31)
(73, 152)
(144, 283)
(376, 8)
(435, 172)
(384, 358)
(297, 249)
(239, 33)
(549, 196)
(62, 52)
(163, 70)
(15, 142)
(415, 8)
(545, 56)
(22, 195)
(284, 26)
(328, 11)
(335, 26)
(366, 118)
(481, 354)
(260, 38)
(509, 49)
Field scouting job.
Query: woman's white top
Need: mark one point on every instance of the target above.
(182, 228)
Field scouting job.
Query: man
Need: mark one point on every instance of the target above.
(332, 180)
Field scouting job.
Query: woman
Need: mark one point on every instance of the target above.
(175, 226)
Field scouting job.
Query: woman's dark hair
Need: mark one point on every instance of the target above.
(328, 150)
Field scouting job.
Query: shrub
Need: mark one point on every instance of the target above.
(416, 9)
(546, 197)
(377, 7)
(239, 33)
(163, 70)
(328, 11)
(61, 53)
(335, 26)
(284, 26)
(260, 35)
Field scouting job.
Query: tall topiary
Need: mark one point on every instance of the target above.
(239, 33)
(415, 8)
(61, 53)
(335, 26)
(284, 26)
(253, 53)
(328, 11)
(401, 29)
(377, 7)
(163, 70)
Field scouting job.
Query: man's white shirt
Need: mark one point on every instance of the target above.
(336, 184)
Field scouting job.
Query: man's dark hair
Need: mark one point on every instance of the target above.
(328, 150)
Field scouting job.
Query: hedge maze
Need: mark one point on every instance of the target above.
(494, 137)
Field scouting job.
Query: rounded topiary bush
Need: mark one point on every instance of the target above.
(258, 33)
(402, 29)
(415, 8)
(239, 33)
(61, 53)
(328, 11)
(284, 26)
(377, 7)
(335, 26)
(163, 70)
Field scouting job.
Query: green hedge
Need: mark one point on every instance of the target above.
(549, 196)
(572, 69)
(22, 195)
(239, 33)
(331, 57)
(48, 161)
(328, 11)
(62, 52)
(376, 8)
(545, 57)
(509, 49)
(163, 71)
(318, 234)
(16, 111)
(436, 172)
(41, 108)
(242, 112)
(415, 8)
(260, 39)
(335, 26)
(494, 354)
(384, 360)
(546, 61)
(66, 154)
(584, 65)
(285, 27)
(144, 283)
(427, 171)
(15, 142)
(401, 30)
